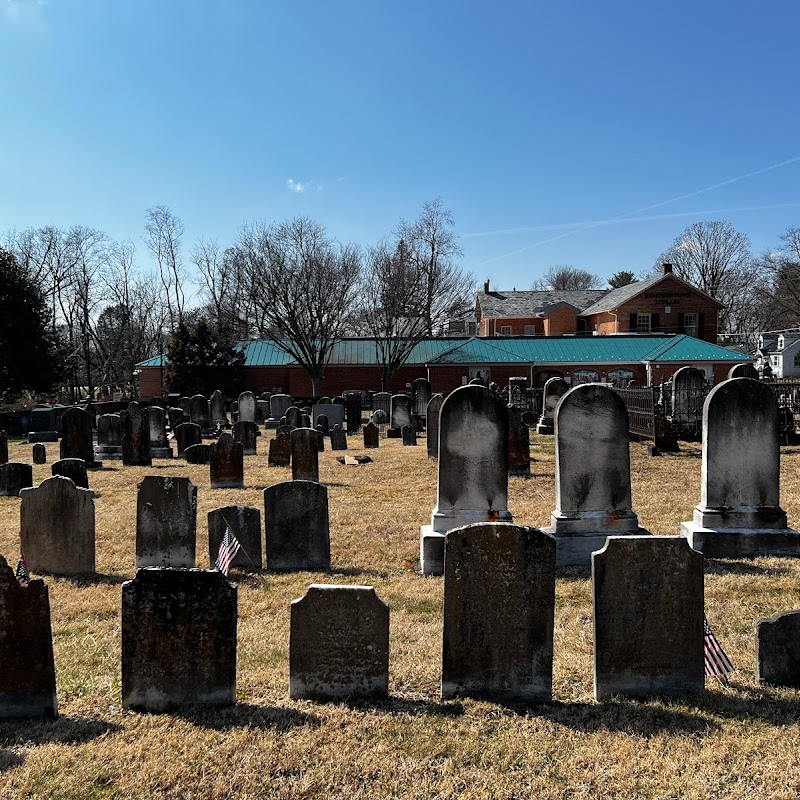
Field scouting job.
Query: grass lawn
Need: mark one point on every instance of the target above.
(735, 741)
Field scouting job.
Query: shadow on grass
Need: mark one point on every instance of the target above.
(9, 760)
(751, 703)
(92, 579)
(245, 715)
(725, 566)
(574, 573)
(63, 730)
(398, 705)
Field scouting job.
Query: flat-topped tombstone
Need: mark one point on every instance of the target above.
(352, 406)
(278, 404)
(296, 526)
(76, 435)
(217, 406)
(200, 412)
(305, 454)
(421, 396)
(371, 436)
(688, 384)
(739, 514)
(178, 639)
(339, 644)
(109, 437)
(157, 422)
(519, 443)
(186, 435)
(247, 407)
(432, 425)
(294, 417)
(743, 371)
(14, 477)
(43, 425)
(499, 605)
(74, 469)
(400, 413)
(338, 439)
(226, 460)
(39, 454)
(333, 413)
(778, 650)
(473, 469)
(409, 435)
(262, 411)
(648, 617)
(27, 668)
(280, 452)
(246, 433)
(593, 473)
(185, 404)
(136, 437)
(554, 390)
(245, 524)
(57, 527)
(3, 447)
(166, 522)
(198, 454)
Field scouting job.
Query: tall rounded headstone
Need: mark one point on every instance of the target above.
(432, 425)
(247, 407)
(217, 404)
(186, 435)
(109, 437)
(136, 436)
(688, 395)
(554, 390)
(76, 435)
(72, 468)
(278, 405)
(200, 412)
(400, 414)
(743, 371)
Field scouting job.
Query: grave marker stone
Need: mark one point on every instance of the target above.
(333, 413)
(166, 522)
(743, 371)
(400, 413)
(278, 405)
(109, 437)
(185, 404)
(76, 435)
(39, 453)
(305, 454)
(226, 460)
(280, 452)
(197, 453)
(353, 411)
(72, 468)
(15, 476)
(245, 524)
(778, 650)
(187, 434)
(338, 439)
(294, 417)
(554, 390)
(157, 428)
(200, 412)
(217, 405)
(135, 437)
(371, 436)
(519, 443)
(432, 425)
(247, 407)
(409, 435)
(246, 433)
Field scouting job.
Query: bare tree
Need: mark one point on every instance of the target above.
(780, 291)
(164, 232)
(565, 277)
(303, 284)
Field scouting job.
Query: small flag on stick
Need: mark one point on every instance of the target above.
(717, 662)
(22, 574)
(228, 548)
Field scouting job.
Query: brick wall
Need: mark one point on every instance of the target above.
(562, 319)
(492, 326)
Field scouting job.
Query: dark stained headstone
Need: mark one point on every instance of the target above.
(200, 412)
(420, 397)
(305, 420)
(109, 437)
(648, 617)
(409, 435)
(226, 460)
(743, 371)
(322, 422)
(778, 650)
(166, 522)
(517, 393)
(57, 527)
(371, 436)
(76, 435)
(135, 437)
(339, 644)
(72, 468)
(187, 434)
(333, 413)
(519, 443)
(380, 417)
(185, 404)
(352, 407)
(178, 639)
(157, 426)
(39, 454)
(305, 454)
(382, 401)
(246, 433)
(245, 524)
(296, 526)
(280, 452)
(499, 605)
(175, 415)
(278, 404)
(338, 439)
(3, 447)
(432, 425)
(27, 668)
(320, 439)
(400, 413)
(217, 409)
(554, 390)
(197, 453)
(294, 417)
(15, 476)
(247, 407)
(262, 411)
(687, 395)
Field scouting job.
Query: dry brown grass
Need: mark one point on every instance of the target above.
(734, 742)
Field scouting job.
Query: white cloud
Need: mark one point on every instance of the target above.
(296, 186)
(18, 11)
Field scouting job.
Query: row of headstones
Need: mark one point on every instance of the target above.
(57, 526)
(738, 515)
(179, 629)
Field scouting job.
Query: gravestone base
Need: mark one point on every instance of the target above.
(394, 433)
(741, 542)
(546, 426)
(108, 452)
(160, 452)
(271, 424)
(42, 436)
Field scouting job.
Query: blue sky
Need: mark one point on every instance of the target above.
(586, 133)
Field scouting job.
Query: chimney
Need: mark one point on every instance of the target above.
(486, 287)
(666, 269)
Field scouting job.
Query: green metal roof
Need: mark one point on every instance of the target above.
(685, 348)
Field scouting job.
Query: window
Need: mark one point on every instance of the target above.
(643, 323)
(690, 325)
(530, 330)
(797, 359)
(505, 330)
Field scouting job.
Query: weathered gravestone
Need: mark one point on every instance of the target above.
(399, 415)
(157, 429)
(38, 454)
(593, 473)
(186, 435)
(320, 439)
(185, 404)
(382, 401)
(432, 425)
(200, 412)
(278, 404)
(778, 650)
(246, 433)
(352, 407)
(338, 439)
(27, 668)
(247, 407)
(380, 417)
(517, 393)
(175, 416)
(217, 405)
(294, 417)
(14, 477)
(57, 532)
(296, 526)
(280, 452)
(688, 385)
(262, 411)
(245, 524)
(166, 522)
(178, 639)
(43, 425)
(739, 513)
(76, 436)
(420, 397)
(648, 617)
(499, 605)
(135, 437)
(554, 389)
(322, 424)
(305, 420)
(339, 644)
(305, 454)
(3, 447)
(519, 443)
(109, 437)
(226, 460)
(473, 469)
(332, 412)
(72, 468)
(743, 371)
(371, 436)
(198, 454)
(235, 410)
(409, 435)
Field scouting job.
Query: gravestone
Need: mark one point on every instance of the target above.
(185, 404)
(234, 410)
(135, 437)
(554, 390)
(687, 396)
(175, 416)
(305, 454)
(294, 417)
(178, 639)
(338, 439)
(380, 417)
(278, 404)
(593, 473)
(648, 617)
(296, 526)
(217, 406)
(245, 524)
(518, 393)
(43, 425)
(187, 434)
(473, 469)
(226, 461)
(72, 468)
(339, 644)
(333, 413)
(280, 452)
(109, 437)
(371, 436)
(320, 439)
(3, 447)
(262, 411)
(432, 425)
(778, 650)
(409, 435)
(246, 433)
(27, 668)
(57, 532)
(519, 443)
(197, 453)
(322, 424)
(305, 420)
(15, 476)
(421, 396)
(499, 605)
(157, 426)
(38, 454)
(352, 407)
(743, 371)
(400, 414)
(76, 436)
(166, 522)
(739, 513)
(200, 412)
(247, 407)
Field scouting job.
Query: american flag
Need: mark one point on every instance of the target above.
(717, 662)
(228, 548)
(22, 574)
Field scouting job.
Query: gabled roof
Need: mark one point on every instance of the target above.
(534, 303)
